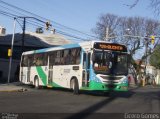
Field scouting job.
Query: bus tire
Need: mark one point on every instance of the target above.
(36, 82)
(75, 86)
(107, 94)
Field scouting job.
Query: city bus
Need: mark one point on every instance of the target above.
(90, 66)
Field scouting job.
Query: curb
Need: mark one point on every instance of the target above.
(16, 90)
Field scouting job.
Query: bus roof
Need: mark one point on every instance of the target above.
(84, 45)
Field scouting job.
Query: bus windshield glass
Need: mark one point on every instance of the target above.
(110, 63)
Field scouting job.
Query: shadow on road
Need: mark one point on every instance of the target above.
(90, 111)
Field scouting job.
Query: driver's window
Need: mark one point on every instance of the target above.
(97, 61)
(102, 61)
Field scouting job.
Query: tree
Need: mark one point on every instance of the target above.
(155, 57)
(127, 30)
(106, 26)
(130, 31)
(154, 5)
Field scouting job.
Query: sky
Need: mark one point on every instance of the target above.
(81, 15)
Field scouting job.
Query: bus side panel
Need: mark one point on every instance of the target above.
(62, 75)
(23, 75)
(42, 73)
(27, 77)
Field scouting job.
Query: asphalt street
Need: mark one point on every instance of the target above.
(137, 100)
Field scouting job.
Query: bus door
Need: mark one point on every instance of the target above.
(50, 70)
(86, 69)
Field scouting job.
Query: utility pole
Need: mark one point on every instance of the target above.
(106, 34)
(23, 34)
(12, 44)
(24, 28)
(146, 52)
(23, 37)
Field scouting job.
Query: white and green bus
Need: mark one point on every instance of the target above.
(91, 66)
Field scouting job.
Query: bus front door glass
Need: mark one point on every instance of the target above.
(86, 67)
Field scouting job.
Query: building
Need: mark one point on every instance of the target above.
(150, 71)
(32, 41)
(2, 31)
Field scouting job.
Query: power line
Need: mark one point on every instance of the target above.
(66, 34)
(4, 14)
(11, 10)
(8, 14)
(15, 7)
(14, 16)
(39, 25)
(19, 23)
(58, 31)
(18, 13)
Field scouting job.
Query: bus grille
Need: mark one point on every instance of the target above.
(111, 81)
(111, 86)
(111, 78)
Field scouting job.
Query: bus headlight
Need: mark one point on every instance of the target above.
(124, 81)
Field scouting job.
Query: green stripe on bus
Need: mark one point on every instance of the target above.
(42, 75)
(53, 84)
(97, 85)
(93, 85)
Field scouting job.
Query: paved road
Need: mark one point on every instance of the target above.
(137, 100)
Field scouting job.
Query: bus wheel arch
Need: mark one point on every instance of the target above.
(36, 82)
(74, 85)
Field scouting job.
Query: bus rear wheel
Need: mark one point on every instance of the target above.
(75, 86)
(36, 83)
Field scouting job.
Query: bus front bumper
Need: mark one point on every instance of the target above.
(98, 86)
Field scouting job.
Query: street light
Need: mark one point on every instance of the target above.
(128, 31)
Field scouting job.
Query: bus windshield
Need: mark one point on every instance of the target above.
(110, 63)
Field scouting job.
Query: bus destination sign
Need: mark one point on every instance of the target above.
(110, 46)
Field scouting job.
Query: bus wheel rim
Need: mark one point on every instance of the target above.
(73, 85)
(36, 83)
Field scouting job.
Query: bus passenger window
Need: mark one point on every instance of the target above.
(57, 59)
(24, 61)
(62, 60)
(34, 60)
(38, 60)
(78, 56)
(66, 57)
(30, 60)
(73, 56)
(45, 59)
(52, 56)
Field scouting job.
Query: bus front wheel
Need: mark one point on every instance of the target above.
(75, 86)
(107, 94)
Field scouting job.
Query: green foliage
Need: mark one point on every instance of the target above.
(155, 57)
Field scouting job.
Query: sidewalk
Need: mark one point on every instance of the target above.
(12, 87)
